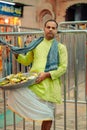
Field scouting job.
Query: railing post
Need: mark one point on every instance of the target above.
(4, 96)
(86, 68)
(86, 78)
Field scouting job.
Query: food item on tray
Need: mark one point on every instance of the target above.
(13, 79)
(4, 82)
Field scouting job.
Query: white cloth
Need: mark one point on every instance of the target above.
(24, 102)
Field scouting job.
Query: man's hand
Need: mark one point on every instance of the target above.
(42, 76)
(16, 56)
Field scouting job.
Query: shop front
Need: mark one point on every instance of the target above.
(10, 14)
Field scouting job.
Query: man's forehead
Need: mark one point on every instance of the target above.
(51, 23)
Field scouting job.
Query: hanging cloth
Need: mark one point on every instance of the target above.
(52, 58)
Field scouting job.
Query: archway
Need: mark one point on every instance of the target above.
(76, 12)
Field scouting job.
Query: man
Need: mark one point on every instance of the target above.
(48, 87)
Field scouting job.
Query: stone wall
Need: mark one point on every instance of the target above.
(34, 16)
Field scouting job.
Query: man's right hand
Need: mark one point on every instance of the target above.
(16, 55)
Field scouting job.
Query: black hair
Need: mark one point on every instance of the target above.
(28, 35)
(51, 20)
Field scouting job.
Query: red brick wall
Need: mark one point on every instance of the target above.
(44, 9)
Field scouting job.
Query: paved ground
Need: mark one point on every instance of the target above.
(67, 118)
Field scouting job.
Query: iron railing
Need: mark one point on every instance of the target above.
(72, 114)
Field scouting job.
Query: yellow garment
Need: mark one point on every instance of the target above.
(50, 88)
(19, 41)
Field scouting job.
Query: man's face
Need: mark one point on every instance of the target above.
(50, 30)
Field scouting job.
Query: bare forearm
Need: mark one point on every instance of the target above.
(47, 74)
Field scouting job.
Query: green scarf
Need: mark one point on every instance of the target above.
(53, 55)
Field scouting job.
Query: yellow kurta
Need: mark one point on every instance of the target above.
(50, 88)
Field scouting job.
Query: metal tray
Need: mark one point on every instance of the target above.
(19, 84)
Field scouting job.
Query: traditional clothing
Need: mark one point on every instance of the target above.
(49, 90)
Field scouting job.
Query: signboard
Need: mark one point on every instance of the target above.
(15, 10)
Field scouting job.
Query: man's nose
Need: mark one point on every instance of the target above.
(50, 28)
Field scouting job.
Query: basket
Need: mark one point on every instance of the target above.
(19, 84)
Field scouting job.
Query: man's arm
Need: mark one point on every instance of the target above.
(16, 55)
(42, 76)
(63, 62)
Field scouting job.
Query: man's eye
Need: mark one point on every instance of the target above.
(53, 28)
(48, 27)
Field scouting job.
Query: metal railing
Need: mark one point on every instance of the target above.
(73, 25)
(74, 36)
(72, 115)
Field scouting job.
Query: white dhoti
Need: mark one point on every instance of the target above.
(25, 103)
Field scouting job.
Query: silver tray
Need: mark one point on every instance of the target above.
(27, 83)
